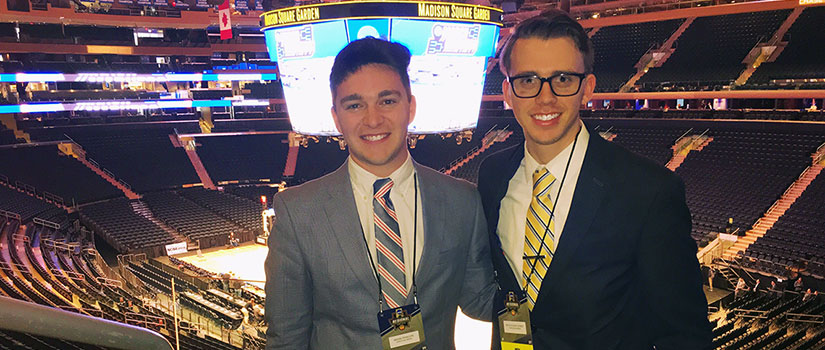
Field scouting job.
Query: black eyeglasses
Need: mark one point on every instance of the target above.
(562, 84)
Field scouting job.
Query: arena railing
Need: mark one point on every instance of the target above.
(39, 320)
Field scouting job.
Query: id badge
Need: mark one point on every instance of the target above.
(514, 323)
(402, 328)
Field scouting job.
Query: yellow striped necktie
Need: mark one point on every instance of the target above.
(539, 225)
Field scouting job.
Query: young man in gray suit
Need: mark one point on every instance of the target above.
(379, 233)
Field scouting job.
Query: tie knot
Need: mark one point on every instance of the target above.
(542, 179)
(381, 187)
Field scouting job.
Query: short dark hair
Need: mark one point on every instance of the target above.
(368, 51)
(549, 24)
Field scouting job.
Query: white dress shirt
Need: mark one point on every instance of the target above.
(402, 197)
(513, 212)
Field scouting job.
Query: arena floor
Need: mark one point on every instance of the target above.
(247, 263)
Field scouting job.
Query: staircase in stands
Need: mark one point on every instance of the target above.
(488, 140)
(768, 51)
(11, 124)
(779, 208)
(683, 147)
(728, 273)
(76, 151)
(655, 57)
(110, 178)
(292, 155)
(190, 146)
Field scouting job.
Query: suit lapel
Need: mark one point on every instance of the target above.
(345, 225)
(433, 209)
(510, 167)
(587, 198)
(493, 191)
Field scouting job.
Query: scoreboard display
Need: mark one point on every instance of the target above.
(450, 45)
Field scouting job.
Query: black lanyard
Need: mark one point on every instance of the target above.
(538, 255)
(415, 247)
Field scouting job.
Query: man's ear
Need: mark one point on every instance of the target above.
(507, 92)
(335, 118)
(589, 87)
(413, 107)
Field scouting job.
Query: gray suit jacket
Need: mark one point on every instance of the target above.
(321, 290)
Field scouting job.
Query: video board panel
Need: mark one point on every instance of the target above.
(447, 69)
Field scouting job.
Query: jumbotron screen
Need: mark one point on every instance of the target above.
(447, 69)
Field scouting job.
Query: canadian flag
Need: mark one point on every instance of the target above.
(225, 22)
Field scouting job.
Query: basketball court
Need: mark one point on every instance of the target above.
(247, 263)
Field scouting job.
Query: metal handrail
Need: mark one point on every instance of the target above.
(9, 215)
(24, 317)
(683, 135)
(731, 263)
(46, 223)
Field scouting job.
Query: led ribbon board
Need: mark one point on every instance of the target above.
(117, 105)
(450, 44)
(133, 77)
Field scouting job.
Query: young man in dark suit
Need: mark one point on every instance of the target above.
(596, 237)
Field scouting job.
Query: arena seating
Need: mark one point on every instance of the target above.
(736, 327)
(734, 114)
(654, 143)
(741, 173)
(132, 151)
(244, 212)
(317, 160)
(253, 193)
(800, 59)
(798, 236)
(190, 219)
(76, 272)
(709, 53)
(7, 136)
(469, 171)
(279, 123)
(122, 228)
(436, 153)
(492, 82)
(619, 48)
(45, 168)
(248, 157)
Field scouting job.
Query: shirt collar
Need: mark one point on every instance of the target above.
(363, 180)
(557, 164)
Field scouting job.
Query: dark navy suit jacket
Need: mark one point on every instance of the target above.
(625, 273)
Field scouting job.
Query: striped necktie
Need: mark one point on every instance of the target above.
(539, 215)
(388, 245)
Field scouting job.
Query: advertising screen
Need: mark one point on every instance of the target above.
(447, 68)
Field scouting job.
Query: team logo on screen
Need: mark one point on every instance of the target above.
(454, 39)
(295, 42)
